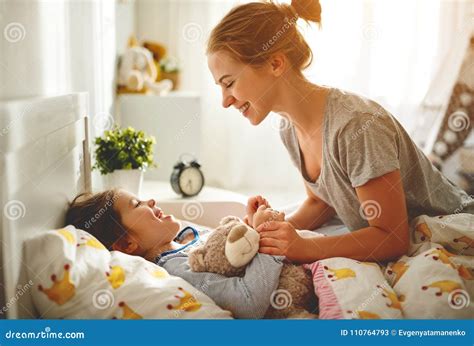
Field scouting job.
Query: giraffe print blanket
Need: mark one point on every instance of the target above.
(69, 274)
(434, 280)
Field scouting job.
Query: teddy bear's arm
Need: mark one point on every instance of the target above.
(196, 260)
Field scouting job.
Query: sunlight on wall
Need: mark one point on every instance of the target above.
(407, 42)
(53, 22)
(382, 49)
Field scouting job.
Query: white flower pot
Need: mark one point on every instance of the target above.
(128, 179)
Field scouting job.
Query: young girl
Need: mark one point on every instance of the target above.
(124, 223)
(356, 160)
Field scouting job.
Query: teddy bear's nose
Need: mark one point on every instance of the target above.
(236, 233)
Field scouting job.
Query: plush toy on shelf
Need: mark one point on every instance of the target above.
(137, 72)
(159, 52)
(170, 70)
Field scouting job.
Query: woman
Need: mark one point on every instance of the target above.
(356, 160)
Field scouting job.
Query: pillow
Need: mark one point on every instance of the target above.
(74, 276)
(433, 283)
(349, 289)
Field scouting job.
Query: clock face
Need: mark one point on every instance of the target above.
(191, 181)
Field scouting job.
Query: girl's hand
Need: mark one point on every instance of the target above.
(252, 205)
(279, 238)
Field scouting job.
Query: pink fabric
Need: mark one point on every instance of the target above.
(329, 307)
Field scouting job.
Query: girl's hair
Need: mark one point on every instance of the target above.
(252, 32)
(95, 213)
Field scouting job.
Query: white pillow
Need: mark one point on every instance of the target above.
(74, 276)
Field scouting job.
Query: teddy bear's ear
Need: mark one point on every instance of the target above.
(196, 259)
(227, 219)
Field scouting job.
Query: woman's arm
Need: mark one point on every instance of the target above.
(386, 238)
(313, 213)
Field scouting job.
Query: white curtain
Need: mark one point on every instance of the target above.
(57, 47)
(387, 50)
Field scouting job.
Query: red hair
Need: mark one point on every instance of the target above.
(252, 32)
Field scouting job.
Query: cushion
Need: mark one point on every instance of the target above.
(72, 275)
(350, 289)
(433, 283)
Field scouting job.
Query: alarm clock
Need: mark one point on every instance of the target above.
(187, 178)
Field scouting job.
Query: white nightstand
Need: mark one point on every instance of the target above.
(162, 191)
(207, 208)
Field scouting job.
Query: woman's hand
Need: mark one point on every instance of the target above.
(252, 205)
(279, 238)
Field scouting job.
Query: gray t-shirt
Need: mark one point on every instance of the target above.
(363, 141)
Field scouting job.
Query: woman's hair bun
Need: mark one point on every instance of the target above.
(309, 10)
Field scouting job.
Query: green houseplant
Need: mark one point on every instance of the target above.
(121, 157)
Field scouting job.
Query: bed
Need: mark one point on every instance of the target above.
(44, 163)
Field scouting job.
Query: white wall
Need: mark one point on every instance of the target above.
(154, 22)
(56, 47)
(125, 23)
(22, 65)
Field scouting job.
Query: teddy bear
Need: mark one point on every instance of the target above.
(233, 244)
(137, 72)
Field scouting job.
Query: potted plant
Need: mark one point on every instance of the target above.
(122, 155)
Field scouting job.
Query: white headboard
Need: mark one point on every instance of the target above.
(44, 163)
